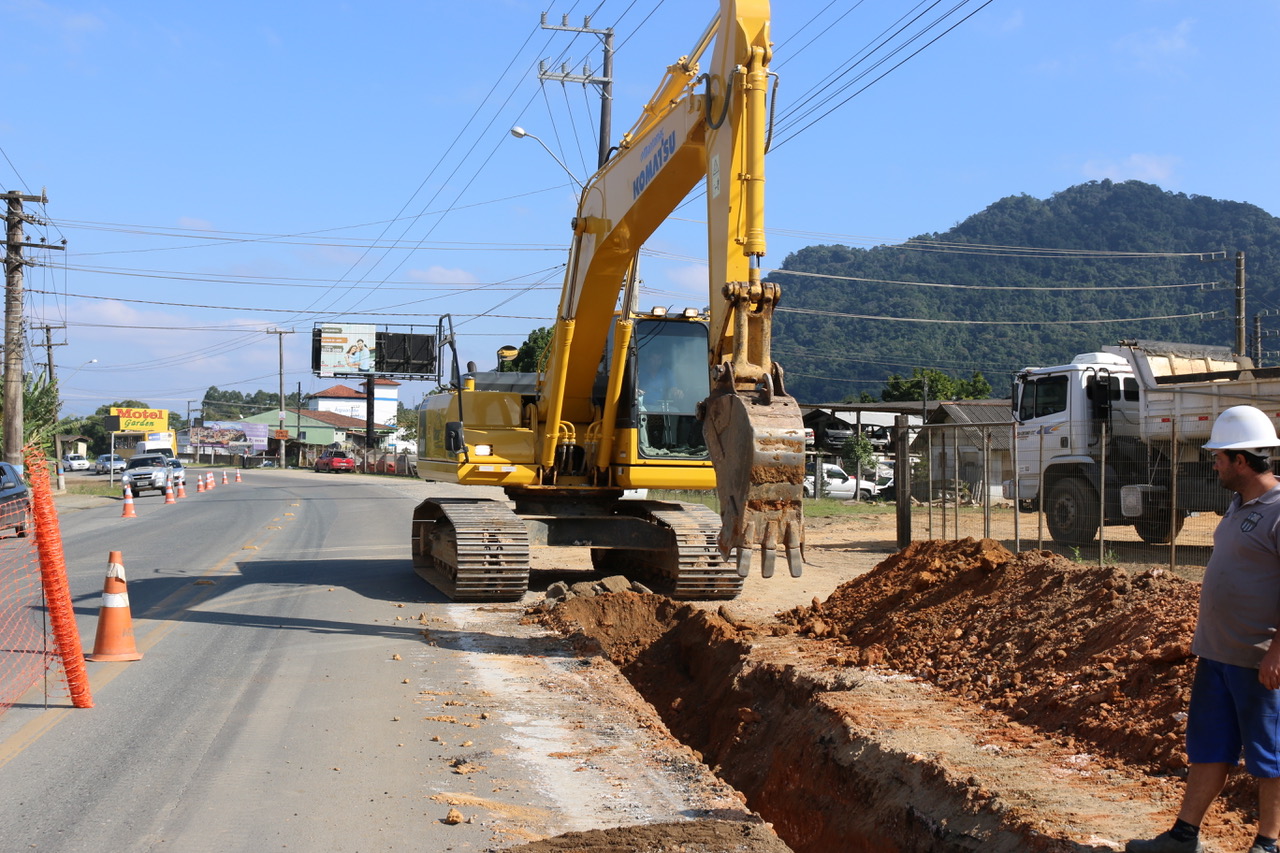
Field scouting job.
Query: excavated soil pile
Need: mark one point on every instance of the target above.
(1086, 652)
(1061, 687)
(707, 836)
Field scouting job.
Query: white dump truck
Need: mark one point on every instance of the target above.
(1115, 437)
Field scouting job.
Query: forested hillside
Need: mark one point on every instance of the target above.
(1029, 279)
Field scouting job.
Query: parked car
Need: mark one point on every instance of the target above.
(808, 438)
(108, 463)
(835, 437)
(147, 472)
(838, 484)
(334, 461)
(15, 502)
(74, 462)
(177, 473)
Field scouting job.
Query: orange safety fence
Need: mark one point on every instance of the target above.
(38, 634)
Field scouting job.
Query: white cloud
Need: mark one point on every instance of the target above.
(193, 224)
(443, 275)
(1160, 49)
(1156, 168)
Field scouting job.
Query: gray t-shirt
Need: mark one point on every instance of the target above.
(1240, 595)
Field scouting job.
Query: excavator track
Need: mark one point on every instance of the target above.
(471, 550)
(694, 569)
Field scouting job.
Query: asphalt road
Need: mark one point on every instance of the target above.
(301, 688)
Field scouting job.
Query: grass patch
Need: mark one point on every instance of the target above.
(104, 488)
(813, 507)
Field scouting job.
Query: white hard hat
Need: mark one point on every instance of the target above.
(1243, 428)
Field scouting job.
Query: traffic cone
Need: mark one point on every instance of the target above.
(168, 493)
(128, 504)
(224, 477)
(210, 483)
(115, 624)
(182, 489)
(238, 480)
(199, 485)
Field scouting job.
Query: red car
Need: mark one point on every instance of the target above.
(334, 461)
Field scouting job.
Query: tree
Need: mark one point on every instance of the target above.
(530, 358)
(858, 455)
(927, 383)
(407, 420)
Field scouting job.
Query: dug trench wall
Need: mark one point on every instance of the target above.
(1035, 712)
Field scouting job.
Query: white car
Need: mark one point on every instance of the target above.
(837, 484)
(74, 462)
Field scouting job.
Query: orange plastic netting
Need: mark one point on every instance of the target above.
(38, 633)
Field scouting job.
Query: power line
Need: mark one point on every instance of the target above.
(1203, 315)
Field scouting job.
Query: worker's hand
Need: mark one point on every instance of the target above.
(1269, 671)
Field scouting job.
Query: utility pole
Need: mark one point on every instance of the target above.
(14, 343)
(48, 349)
(280, 333)
(1240, 321)
(604, 81)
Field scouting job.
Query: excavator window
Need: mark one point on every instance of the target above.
(670, 379)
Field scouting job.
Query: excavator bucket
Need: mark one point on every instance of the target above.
(756, 442)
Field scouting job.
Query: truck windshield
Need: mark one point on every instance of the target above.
(1045, 395)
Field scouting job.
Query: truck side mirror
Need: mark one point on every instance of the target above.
(453, 440)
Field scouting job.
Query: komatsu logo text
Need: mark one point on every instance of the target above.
(657, 152)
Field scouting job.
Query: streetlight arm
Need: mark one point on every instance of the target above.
(520, 133)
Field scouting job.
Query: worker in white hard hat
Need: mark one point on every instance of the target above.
(1235, 698)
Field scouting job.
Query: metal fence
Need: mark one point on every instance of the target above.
(956, 483)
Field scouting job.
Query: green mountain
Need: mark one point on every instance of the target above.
(1031, 282)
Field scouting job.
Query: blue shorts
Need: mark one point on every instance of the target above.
(1230, 710)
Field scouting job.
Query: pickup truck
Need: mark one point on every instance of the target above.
(147, 472)
(838, 484)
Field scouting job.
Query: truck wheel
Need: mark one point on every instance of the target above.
(1155, 529)
(1072, 512)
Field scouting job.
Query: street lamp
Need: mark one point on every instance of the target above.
(521, 133)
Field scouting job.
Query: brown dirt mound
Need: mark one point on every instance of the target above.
(704, 836)
(1082, 651)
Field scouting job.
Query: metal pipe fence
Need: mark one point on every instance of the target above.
(956, 475)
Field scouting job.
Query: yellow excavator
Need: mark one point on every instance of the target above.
(632, 400)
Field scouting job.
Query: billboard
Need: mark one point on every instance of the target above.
(140, 420)
(232, 436)
(344, 349)
(348, 349)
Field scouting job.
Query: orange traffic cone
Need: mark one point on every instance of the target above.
(224, 478)
(238, 480)
(128, 504)
(199, 485)
(168, 493)
(182, 489)
(210, 483)
(115, 624)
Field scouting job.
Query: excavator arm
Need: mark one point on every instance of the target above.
(705, 128)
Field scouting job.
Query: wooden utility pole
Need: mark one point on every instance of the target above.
(48, 349)
(14, 339)
(604, 81)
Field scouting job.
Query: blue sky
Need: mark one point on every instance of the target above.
(221, 170)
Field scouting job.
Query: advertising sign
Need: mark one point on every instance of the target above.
(231, 436)
(345, 349)
(141, 420)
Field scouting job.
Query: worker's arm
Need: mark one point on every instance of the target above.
(1269, 671)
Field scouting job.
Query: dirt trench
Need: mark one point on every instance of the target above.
(957, 697)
